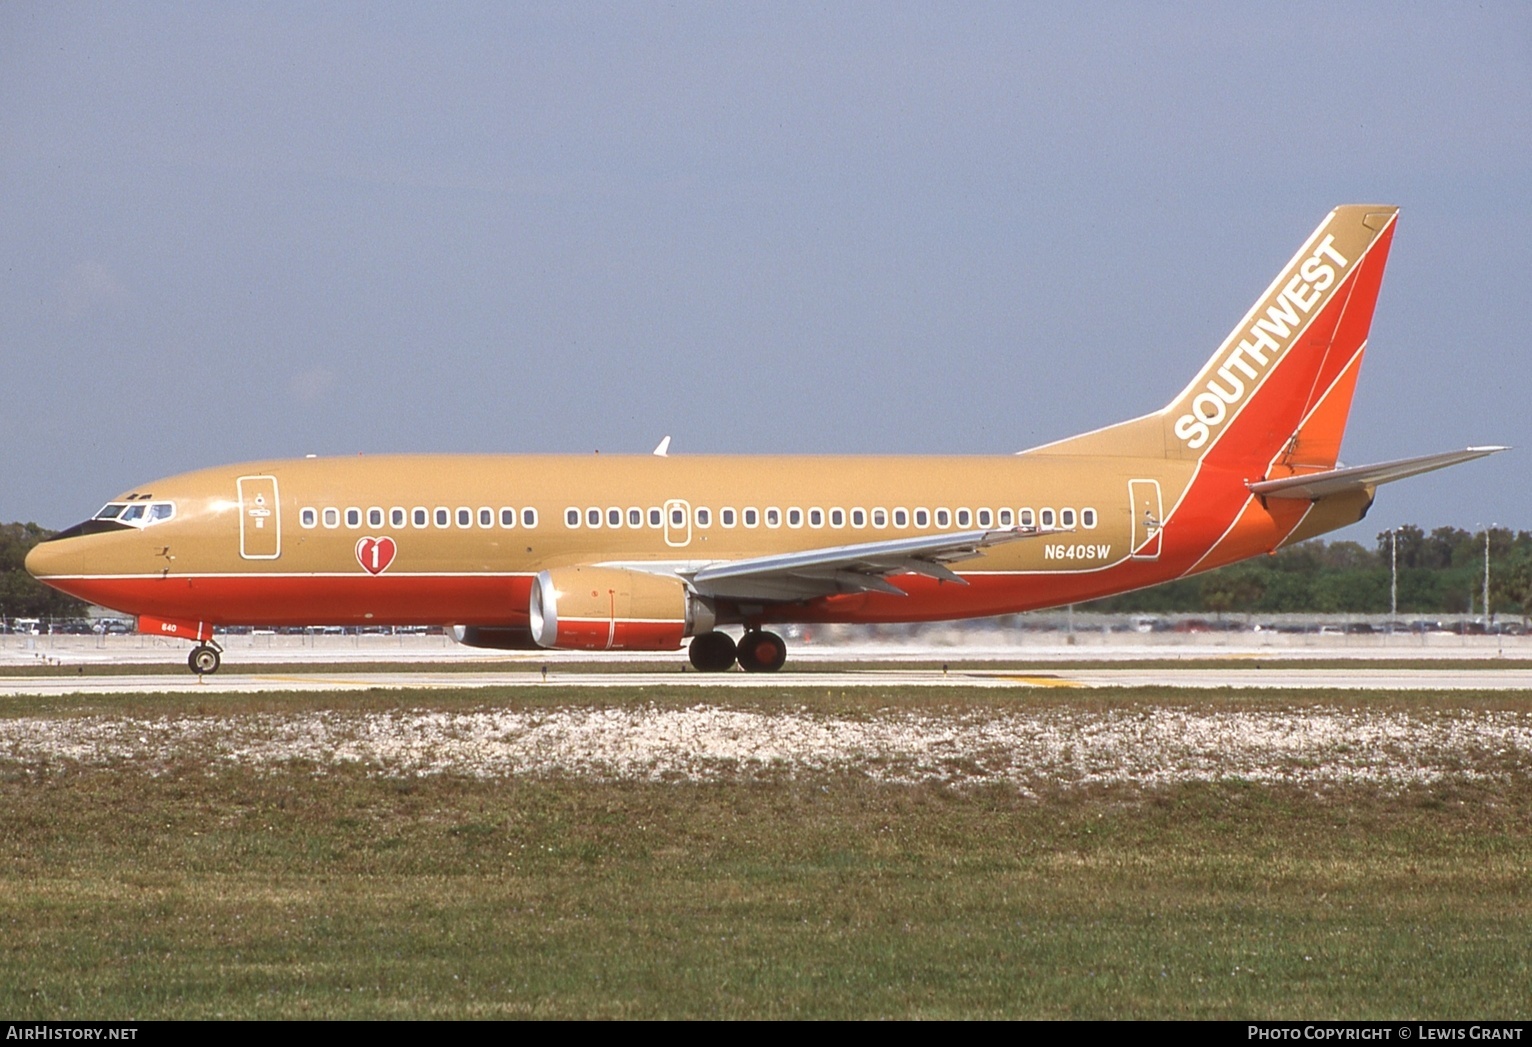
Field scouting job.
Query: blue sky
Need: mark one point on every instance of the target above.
(250, 231)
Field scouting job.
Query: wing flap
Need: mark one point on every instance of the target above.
(864, 567)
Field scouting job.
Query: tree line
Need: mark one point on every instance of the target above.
(1438, 573)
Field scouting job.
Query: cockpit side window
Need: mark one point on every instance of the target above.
(138, 514)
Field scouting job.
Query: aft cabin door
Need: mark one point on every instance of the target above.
(260, 518)
(1148, 512)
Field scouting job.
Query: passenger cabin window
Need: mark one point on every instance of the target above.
(308, 517)
(879, 517)
(901, 517)
(1006, 518)
(656, 518)
(704, 517)
(443, 517)
(752, 517)
(529, 517)
(922, 518)
(837, 518)
(816, 517)
(507, 517)
(677, 516)
(1024, 517)
(943, 518)
(1088, 518)
(353, 517)
(571, 518)
(464, 517)
(1066, 517)
(726, 517)
(859, 517)
(332, 517)
(614, 517)
(593, 517)
(773, 517)
(374, 517)
(420, 516)
(964, 518)
(486, 517)
(985, 518)
(635, 517)
(1046, 517)
(396, 516)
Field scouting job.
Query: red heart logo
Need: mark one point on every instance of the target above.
(375, 554)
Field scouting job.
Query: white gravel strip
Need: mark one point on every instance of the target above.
(1028, 749)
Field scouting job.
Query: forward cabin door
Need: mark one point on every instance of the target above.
(1148, 512)
(260, 518)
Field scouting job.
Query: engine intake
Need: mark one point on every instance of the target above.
(612, 608)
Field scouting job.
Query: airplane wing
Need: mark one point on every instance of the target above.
(1336, 481)
(860, 568)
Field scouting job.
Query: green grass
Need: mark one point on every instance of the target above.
(299, 892)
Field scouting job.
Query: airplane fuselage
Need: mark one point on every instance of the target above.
(456, 540)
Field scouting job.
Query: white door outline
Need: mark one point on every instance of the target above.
(678, 535)
(260, 518)
(1147, 514)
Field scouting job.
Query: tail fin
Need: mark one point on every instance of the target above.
(1280, 385)
(1277, 392)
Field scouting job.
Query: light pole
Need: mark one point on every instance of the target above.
(1487, 618)
(1393, 577)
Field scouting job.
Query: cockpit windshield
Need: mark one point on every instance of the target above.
(137, 514)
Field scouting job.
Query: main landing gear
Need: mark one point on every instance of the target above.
(757, 652)
(204, 658)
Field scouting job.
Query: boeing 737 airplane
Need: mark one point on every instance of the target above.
(639, 553)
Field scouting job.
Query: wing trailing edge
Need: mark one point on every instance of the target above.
(864, 567)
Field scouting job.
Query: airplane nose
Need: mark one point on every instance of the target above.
(44, 560)
(63, 554)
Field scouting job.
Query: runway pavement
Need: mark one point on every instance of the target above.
(1274, 677)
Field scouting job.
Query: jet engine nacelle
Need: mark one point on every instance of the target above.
(611, 608)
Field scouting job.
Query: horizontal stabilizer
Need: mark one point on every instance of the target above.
(1337, 481)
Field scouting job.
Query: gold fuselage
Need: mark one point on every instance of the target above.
(305, 563)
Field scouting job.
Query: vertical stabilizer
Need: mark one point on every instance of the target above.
(1279, 388)
(1275, 396)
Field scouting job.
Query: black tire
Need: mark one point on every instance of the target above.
(711, 652)
(761, 652)
(203, 660)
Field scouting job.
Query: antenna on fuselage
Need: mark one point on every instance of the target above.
(663, 450)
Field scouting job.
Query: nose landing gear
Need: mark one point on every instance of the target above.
(204, 658)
